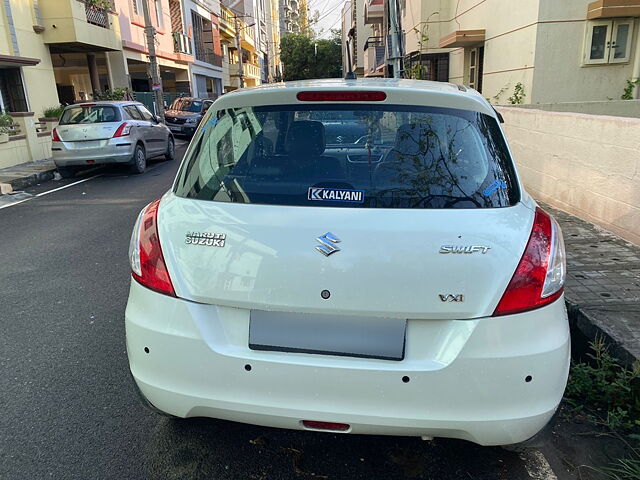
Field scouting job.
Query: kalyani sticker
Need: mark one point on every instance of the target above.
(206, 239)
(336, 195)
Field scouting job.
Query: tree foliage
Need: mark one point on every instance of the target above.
(304, 58)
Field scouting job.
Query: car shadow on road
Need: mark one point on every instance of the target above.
(212, 449)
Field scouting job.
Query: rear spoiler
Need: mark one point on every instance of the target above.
(498, 114)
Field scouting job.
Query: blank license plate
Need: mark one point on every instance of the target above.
(88, 144)
(352, 336)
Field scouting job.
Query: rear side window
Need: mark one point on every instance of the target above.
(146, 114)
(362, 156)
(133, 112)
(89, 114)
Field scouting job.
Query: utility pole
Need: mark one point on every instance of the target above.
(156, 81)
(396, 51)
(239, 50)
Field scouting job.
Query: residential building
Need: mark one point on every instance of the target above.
(50, 51)
(203, 27)
(353, 20)
(174, 50)
(230, 20)
(293, 16)
(557, 51)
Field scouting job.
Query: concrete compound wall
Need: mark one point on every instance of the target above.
(616, 108)
(587, 165)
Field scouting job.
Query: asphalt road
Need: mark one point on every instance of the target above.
(68, 408)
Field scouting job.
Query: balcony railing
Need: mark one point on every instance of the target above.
(181, 43)
(227, 16)
(207, 55)
(97, 16)
(248, 70)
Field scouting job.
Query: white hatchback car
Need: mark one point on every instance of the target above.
(393, 280)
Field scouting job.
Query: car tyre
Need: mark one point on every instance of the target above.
(171, 150)
(67, 172)
(139, 160)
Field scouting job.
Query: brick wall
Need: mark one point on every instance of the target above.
(587, 165)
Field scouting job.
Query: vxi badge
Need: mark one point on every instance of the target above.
(450, 297)
(464, 249)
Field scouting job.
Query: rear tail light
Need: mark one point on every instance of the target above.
(123, 130)
(341, 96)
(148, 267)
(539, 277)
(54, 136)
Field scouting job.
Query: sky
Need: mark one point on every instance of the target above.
(330, 13)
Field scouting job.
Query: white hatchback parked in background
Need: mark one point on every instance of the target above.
(396, 279)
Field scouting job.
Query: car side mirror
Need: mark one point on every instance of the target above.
(157, 119)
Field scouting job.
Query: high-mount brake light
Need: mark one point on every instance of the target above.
(123, 130)
(54, 136)
(88, 105)
(539, 277)
(332, 426)
(145, 253)
(341, 96)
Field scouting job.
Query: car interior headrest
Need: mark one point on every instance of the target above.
(305, 137)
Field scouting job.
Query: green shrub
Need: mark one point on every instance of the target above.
(53, 112)
(115, 94)
(627, 93)
(5, 122)
(518, 95)
(607, 392)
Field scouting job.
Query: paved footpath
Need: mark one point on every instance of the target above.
(603, 285)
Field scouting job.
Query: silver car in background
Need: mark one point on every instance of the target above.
(94, 133)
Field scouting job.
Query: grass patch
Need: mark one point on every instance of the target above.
(607, 394)
(624, 468)
(604, 391)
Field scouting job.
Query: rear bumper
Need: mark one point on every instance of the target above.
(64, 155)
(182, 129)
(467, 378)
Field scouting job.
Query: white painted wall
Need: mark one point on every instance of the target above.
(538, 43)
(587, 165)
(560, 73)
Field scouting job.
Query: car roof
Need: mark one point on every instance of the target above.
(202, 99)
(116, 103)
(399, 92)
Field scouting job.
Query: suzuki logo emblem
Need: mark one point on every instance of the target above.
(327, 244)
(451, 298)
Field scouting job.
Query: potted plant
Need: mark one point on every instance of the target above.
(5, 125)
(52, 114)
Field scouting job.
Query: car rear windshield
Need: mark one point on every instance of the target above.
(371, 156)
(193, 106)
(89, 114)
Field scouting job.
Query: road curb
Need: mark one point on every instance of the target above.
(594, 322)
(30, 180)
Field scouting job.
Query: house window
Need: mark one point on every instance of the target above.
(158, 4)
(608, 41)
(14, 98)
(476, 60)
(137, 8)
